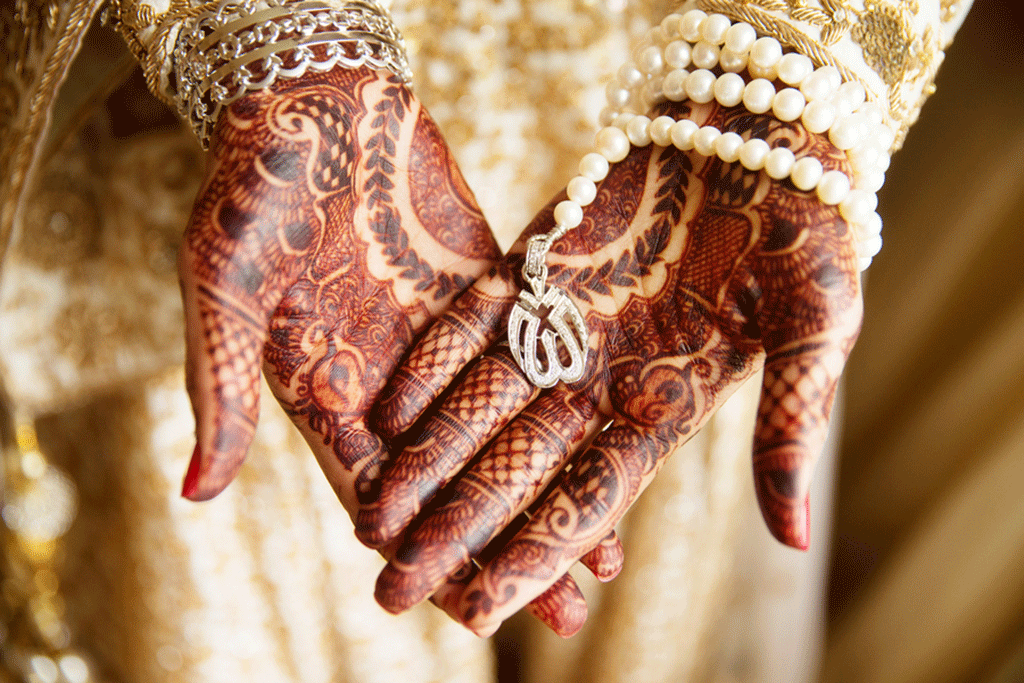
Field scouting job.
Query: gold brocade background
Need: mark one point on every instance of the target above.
(925, 566)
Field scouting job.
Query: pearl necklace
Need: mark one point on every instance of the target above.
(817, 97)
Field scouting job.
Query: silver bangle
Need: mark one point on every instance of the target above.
(247, 45)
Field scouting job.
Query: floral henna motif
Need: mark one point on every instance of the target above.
(443, 203)
(716, 272)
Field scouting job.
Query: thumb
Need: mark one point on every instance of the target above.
(224, 347)
(797, 394)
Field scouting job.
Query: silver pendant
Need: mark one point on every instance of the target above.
(552, 307)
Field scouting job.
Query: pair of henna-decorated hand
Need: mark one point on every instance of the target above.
(334, 226)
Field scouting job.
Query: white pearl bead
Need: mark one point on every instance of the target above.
(682, 134)
(689, 26)
(727, 147)
(704, 140)
(714, 27)
(753, 154)
(612, 143)
(732, 62)
(674, 85)
(849, 132)
(779, 163)
(650, 60)
(630, 76)
(622, 120)
(765, 52)
(817, 86)
(870, 247)
(794, 68)
(863, 264)
(872, 181)
(858, 205)
(638, 131)
(617, 95)
(661, 130)
(883, 162)
(581, 190)
(729, 89)
(843, 107)
(704, 55)
(818, 116)
(670, 24)
(833, 187)
(740, 38)
(871, 226)
(700, 86)
(655, 36)
(873, 112)
(644, 43)
(768, 73)
(651, 93)
(788, 104)
(884, 136)
(835, 79)
(594, 167)
(607, 115)
(677, 54)
(864, 158)
(758, 96)
(861, 234)
(568, 213)
(852, 92)
(806, 173)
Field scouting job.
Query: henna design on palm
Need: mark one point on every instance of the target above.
(332, 226)
(296, 255)
(693, 274)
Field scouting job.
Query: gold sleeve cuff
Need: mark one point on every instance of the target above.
(892, 47)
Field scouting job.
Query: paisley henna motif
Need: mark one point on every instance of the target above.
(693, 274)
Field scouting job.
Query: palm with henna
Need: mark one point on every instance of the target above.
(693, 275)
(332, 227)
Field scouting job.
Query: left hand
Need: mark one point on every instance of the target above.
(333, 225)
(692, 274)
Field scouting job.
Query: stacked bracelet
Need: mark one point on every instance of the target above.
(817, 97)
(247, 45)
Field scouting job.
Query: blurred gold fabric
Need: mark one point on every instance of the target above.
(928, 573)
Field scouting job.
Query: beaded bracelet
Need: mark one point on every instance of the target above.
(817, 97)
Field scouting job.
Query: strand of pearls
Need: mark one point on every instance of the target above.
(658, 72)
(817, 97)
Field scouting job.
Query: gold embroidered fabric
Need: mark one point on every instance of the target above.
(893, 47)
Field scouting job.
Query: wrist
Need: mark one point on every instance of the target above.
(205, 58)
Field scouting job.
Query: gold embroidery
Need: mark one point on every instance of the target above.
(950, 9)
(884, 35)
(902, 47)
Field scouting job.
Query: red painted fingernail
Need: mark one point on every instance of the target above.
(800, 537)
(191, 483)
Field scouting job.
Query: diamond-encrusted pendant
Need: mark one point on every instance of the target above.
(563, 324)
